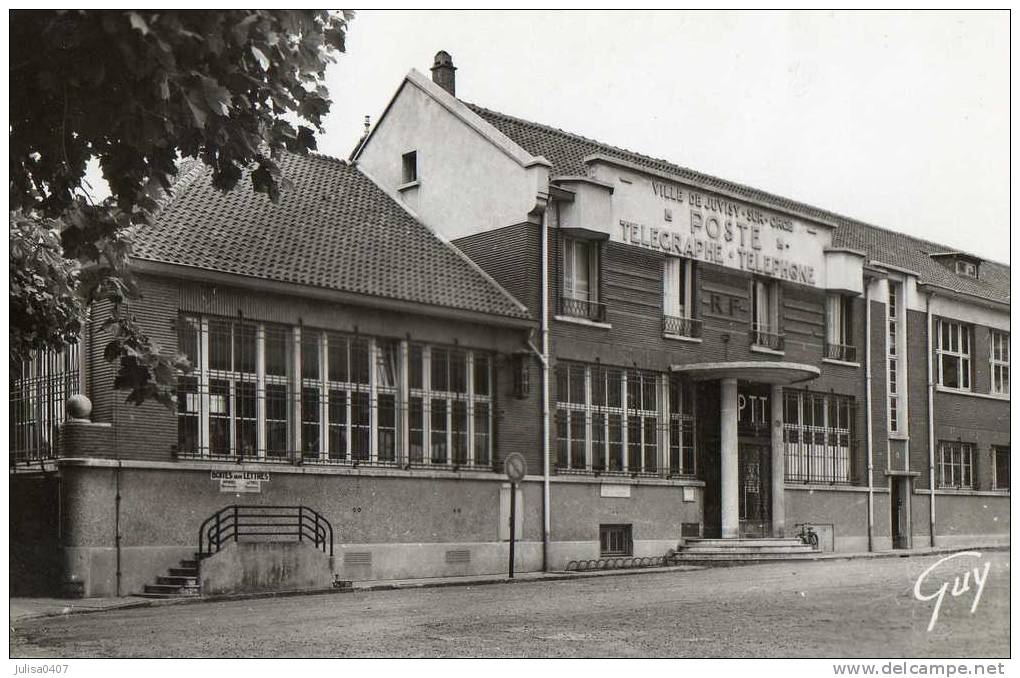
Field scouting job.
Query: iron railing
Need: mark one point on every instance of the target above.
(583, 308)
(234, 523)
(39, 388)
(844, 352)
(762, 335)
(681, 327)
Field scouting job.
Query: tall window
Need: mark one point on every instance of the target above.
(39, 388)
(681, 428)
(346, 404)
(999, 357)
(581, 279)
(616, 421)
(450, 406)
(892, 353)
(642, 421)
(765, 314)
(839, 335)
(953, 351)
(956, 464)
(818, 437)
(1001, 467)
(678, 298)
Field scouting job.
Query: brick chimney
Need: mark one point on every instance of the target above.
(443, 72)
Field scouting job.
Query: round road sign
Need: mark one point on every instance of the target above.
(515, 467)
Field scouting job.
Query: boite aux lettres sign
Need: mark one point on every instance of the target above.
(240, 481)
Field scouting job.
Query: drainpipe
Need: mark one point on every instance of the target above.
(546, 508)
(931, 425)
(116, 525)
(867, 405)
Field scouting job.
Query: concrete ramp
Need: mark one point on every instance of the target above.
(252, 567)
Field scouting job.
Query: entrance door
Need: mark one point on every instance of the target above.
(898, 507)
(755, 459)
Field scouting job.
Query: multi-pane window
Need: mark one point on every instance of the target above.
(817, 435)
(39, 388)
(346, 403)
(765, 302)
(999, 358)
(956, 464)
(839, 336)
(615, 540)
(681, 428)
(642, 421)
(892, 353)
(450, 406)
(678, 304)
(581, 263)
(953, 351)
(1001, 467)
(617, 421)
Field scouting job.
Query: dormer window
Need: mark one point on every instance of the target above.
(961, 263)
(966, 268)
(409, 172)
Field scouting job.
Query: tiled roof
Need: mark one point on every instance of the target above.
(914, 254)
(566, 152)
(334, 229)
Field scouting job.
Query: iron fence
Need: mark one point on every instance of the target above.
(39, 388)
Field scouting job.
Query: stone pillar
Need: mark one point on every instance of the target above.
(778, 465)
(729, 475)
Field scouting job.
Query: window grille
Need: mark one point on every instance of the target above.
(818, 438)
(956, 464)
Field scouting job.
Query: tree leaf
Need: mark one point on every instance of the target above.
(260, 57)
(138, 23)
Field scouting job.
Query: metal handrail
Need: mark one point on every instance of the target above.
(232, 522)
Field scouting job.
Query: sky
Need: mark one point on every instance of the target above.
(897, 119)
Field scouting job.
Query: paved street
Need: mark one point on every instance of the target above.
(818, 609)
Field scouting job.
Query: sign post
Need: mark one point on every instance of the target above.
(516, 468)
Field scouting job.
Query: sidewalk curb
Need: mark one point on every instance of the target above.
(495, 579)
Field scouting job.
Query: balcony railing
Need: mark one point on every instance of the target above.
(583, 308)
(762, 335)
(681, 327)
(843, 352)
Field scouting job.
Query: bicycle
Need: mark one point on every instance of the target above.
(809, 536)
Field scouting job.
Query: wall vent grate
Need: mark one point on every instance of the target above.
(458, 556)
(358, 558)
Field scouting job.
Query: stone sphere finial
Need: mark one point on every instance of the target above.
(79, 408)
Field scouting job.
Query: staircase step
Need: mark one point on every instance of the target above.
(746, 546)
(189, 563)
(169, 588)
(184, 572)
(176, 580)
(743, 557)
(771, 551)
(146, 594)
(744, 542)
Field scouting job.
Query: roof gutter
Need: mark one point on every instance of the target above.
(263, 285)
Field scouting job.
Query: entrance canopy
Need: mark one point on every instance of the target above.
(762, 371)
